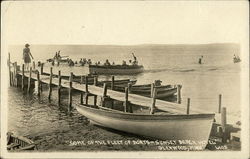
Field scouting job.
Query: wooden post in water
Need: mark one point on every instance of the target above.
(41, 68)
(16, 82)
(188, 105)
(34, 65)
(59, 87)
(223, 124)
(125, 104)
(9, 68)
(219, 110)
(23, 77)
(95, 100)
(70, 92)
(11, 78)
(95, 80)
(38, 84)
(152, 89)
(179, 94)
(50, 83)
(152, 108)
(14, 74)
(81, 100)
(112, 82)
(29, 80)
(104, 95)
(86, 90)
(129, 87)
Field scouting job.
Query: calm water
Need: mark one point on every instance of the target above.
(46, 123)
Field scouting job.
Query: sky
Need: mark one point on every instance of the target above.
(124, 22)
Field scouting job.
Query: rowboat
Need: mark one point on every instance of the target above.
(194, 127)
(163, 91)
(19, 143)
(77, 78)
(116, 69)
(236, 60)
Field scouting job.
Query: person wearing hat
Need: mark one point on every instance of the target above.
(26, 56)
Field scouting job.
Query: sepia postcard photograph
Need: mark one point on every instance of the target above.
(125, 79)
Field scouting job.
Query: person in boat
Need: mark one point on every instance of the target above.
(200, 60)
(135, 62)
(26, 56)
(130, 62)
(89, 61)
(113, 63)
(124, 63)
(107, 63)
(55, 57)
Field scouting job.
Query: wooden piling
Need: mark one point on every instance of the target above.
(70, 92)
(34, 65)
(152, 108)
(86, 90)
(29, 80)
(112, 82)
(11, 78)
(104, 95)
(14, 74)
(41, 68)
(82, 81)
(50, 82)
(9, 68)
(152, 89)
(129, 87)
(95, 80)
(223, 124)
(104, 90)
(188, 105)
(95, 100)
(219, 109)
(59, 87)
(179, 94)
(125, 104)
(23, 77)
(38, 84)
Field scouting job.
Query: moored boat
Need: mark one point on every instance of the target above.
(163, 91)
(116, 69)
(193, 127)
(19, 143)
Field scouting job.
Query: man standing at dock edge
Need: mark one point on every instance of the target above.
(26, 56)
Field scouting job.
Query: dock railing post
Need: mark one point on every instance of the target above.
(70, 92)
(152, 89)
(41, 68)
(95, 80)
(152, 108)
(38, 84)
(9, 68)
(29, 80)
(59, 87)
(223, 124)
(112, 82)
(129, 87)
(104, 95)
(188, 105)
(86, 90)
(81, 98)
(179, 94)
(219, 109)
(50, 83)
(34, 65)
(23, 77)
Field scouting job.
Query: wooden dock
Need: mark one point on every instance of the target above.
(221, 123)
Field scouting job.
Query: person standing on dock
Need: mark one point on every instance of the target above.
(26, 57)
